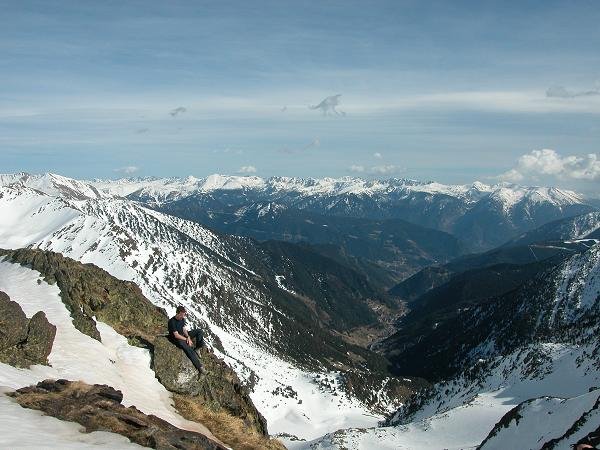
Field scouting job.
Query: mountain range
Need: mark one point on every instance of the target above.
(480, 215)
(343, 302)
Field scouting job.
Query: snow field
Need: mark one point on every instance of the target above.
(294, 402)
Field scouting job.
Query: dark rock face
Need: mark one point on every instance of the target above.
(98, 408)
(87, 291)
(23, 342)
(13, 323)
(219, 389)
(40, 338)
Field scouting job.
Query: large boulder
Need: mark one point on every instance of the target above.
(23, 342)
(219, 389)
(13, 323)
(40, 338)
(99, 408)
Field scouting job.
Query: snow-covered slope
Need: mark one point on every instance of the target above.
(555, 422)
(158, 190)
(179, 262)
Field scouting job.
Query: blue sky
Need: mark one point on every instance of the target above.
(452, 91)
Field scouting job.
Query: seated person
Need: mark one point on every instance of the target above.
(183, 339)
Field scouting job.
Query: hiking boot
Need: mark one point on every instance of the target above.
(201, 372)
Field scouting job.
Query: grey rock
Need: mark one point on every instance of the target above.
(23, 342)
(13, 323)
(219, 388)
(40, 337)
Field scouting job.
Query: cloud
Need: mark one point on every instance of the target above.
(128, 170)
(316, 142)
(247, 170)
(229, 151)
(328, 106)
(179, 110)
(377, 155)
(385, 169)
(548, 163)
(562, 92)
(142, 130)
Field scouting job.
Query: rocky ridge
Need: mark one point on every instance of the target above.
(93, 293)
(98, 408)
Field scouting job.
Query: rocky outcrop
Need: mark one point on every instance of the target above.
(88, 291)
(98, 408)
(219, 389)
(23, 342)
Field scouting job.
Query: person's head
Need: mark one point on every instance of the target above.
(180, 312)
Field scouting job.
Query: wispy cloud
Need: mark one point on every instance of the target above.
(315, 143)
(179, 110)
(142, 130)
(387, 169)
(492, 101)
(247, 170)
(379, 170)
(562, 92)
(356, 168)
(127, 170)
(229, 151)
(548, 163)
(377, 155)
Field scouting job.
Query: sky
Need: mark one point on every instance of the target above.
(447, 91)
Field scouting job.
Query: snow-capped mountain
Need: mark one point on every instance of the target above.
(268, 310)
(484, 216)
(53, 184)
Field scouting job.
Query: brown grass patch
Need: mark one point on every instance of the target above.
(229, 429)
